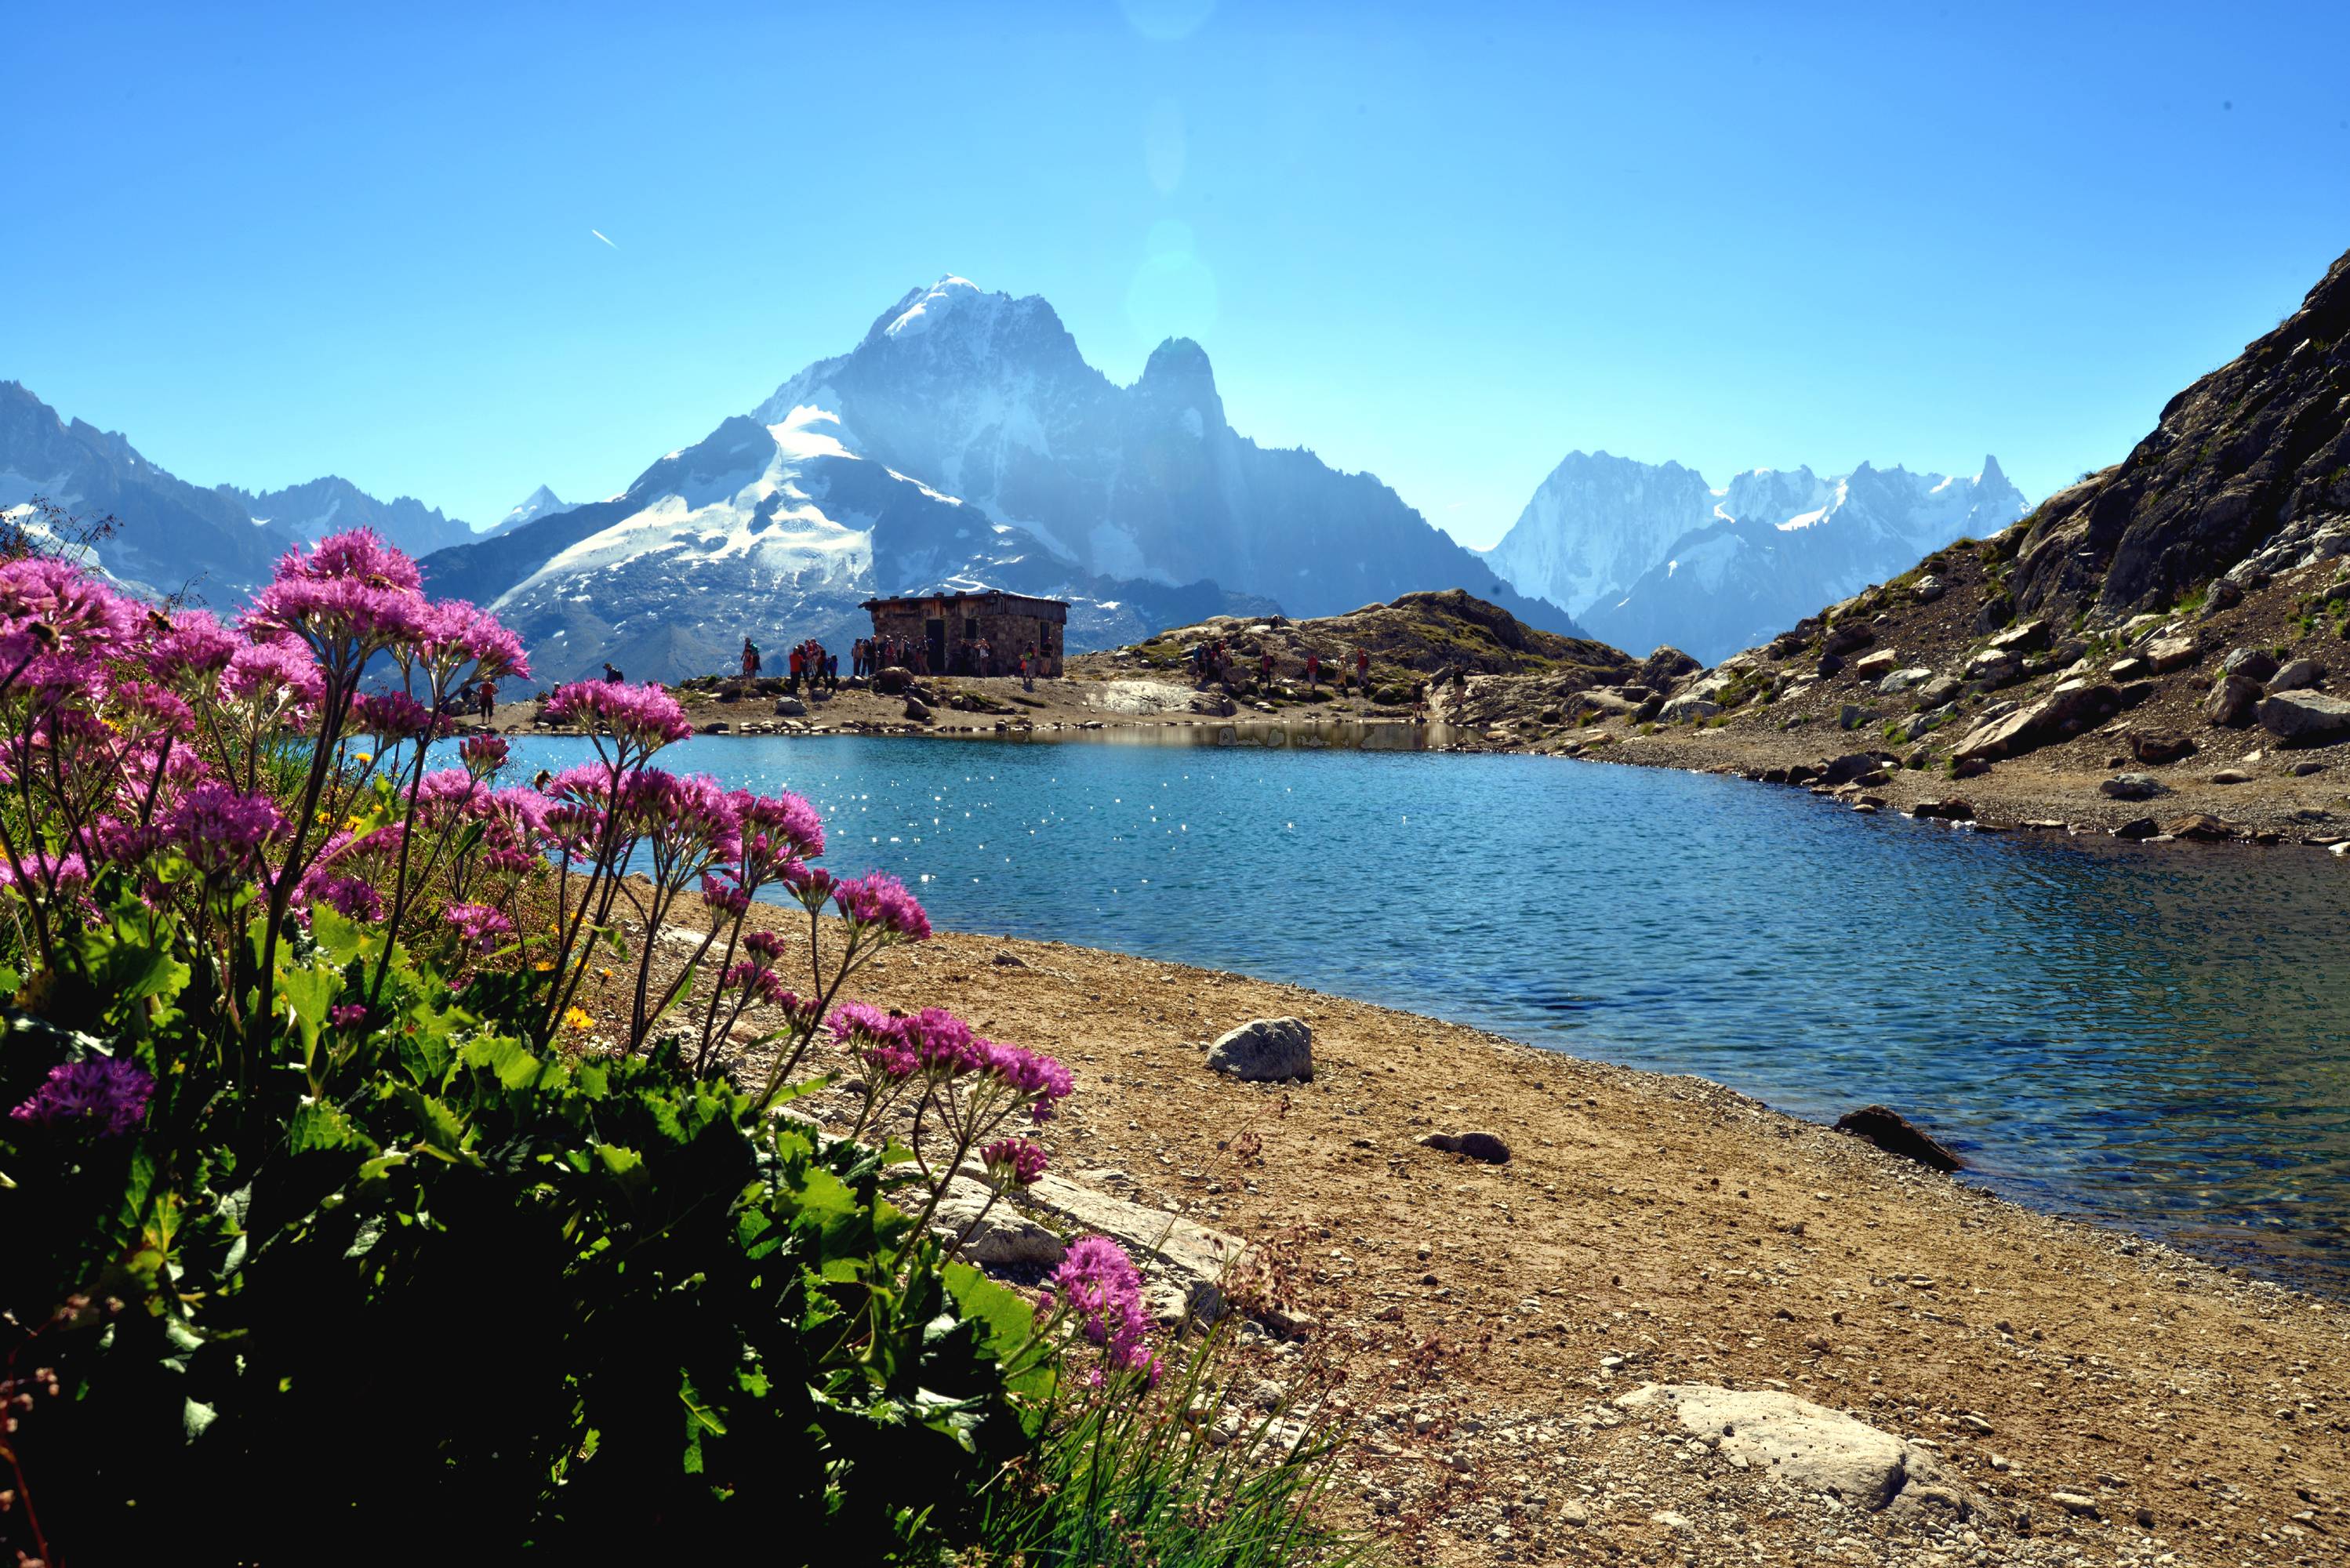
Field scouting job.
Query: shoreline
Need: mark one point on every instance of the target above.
(2018, 796)
(1657, 1228)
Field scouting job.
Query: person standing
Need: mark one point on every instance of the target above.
(488, 695)
(1264, 670)
(1363, 671)
(611, 673)
(750, 658)
(1313, 670)
(792, 682)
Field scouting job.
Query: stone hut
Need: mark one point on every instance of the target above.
(949, 630)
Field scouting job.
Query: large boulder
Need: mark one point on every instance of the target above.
(2304, 717)
(2022, 640)
(2294, 674)
(1870, 665)
(2169, 653)
(2157, 747)
(2072, 707)
(790, 708)
(1902, 680)
(1265, 1051)
(1806, 1446)
(2251, 663)
(2131, 786)
(1846, 638)
(893, 680)
(2230, 700)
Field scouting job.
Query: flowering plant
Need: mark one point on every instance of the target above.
(317, 1165)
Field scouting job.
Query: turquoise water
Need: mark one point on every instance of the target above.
(2158, 1037)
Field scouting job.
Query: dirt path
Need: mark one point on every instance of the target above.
(1483, 1318)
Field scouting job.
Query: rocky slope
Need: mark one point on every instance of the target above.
(1419, 641)
(1647, 554)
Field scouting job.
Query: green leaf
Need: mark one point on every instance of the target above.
(317, 1125)
(440, 1130)
(506, 1059)
(308, 993)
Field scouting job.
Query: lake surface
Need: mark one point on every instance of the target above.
(2154, 1037)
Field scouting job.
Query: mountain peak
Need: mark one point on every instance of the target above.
(1179, 362)
(1992, 474)
(922, 310)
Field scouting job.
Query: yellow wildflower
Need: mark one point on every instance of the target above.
(576, 1019)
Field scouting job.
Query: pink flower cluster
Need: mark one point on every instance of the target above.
(877, 902)
(641, 719)
(106, 1093)
(1098, 1284)
(478, 926)
(1018, 1160)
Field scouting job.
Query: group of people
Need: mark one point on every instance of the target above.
(809, 662)
(1214, 661)
(873, 654)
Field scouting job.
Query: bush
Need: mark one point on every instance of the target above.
(335, 1222)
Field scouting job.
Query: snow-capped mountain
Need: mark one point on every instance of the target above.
(987, 399)
(1782, 543)
(541, 503)
(170, 536)
(1595, 524)
(333, 504)
(963, 442)
(1647, 554)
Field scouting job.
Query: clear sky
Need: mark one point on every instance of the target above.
(1443, 243)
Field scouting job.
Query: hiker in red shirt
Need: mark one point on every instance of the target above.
(1264, 670)
(1363, 670)
(1313, 670)
(799, 662)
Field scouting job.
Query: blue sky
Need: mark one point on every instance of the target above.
(1443, 243)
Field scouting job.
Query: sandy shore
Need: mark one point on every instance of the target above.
(1482, 1320)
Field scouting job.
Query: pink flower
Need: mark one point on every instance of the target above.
(876, 1039)
(358, 555)
(347, 1016)
(759, 983)
(484, 756)
(75, 612)
(723, 893)
(107, 1092)
(777, 829)
(1038, 1079)
(878, 903)
(767, 945)
(353, 898)
(1098, 1283)
(220, 831)
(1017, 1160)
(643, 719)
(454, 634)
(393, 717)
(274, 679)
(478, 926)
(195, 649)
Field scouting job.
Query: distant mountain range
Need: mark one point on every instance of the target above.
(170, 536)
(963, 442)
(1647, 554)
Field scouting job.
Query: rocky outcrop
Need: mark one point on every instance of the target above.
(1184, 1264)
(2256, 450)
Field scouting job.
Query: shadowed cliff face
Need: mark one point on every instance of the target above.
(2255, 447)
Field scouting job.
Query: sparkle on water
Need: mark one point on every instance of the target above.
(2156, 1037)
